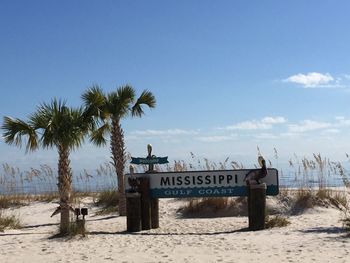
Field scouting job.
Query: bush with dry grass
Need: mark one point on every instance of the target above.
(346, 224)
(108, 201)
(276, 221)
(308, 198)
(7, 201)
(214, 207)
(11, 222)
(77, 228)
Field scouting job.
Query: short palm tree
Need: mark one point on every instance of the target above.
(110, 109)
(52, 126)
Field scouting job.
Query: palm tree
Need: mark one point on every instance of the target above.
(52, 126)
(110, 109)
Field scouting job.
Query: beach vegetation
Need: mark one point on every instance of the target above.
(110, 109)
(53, 125)
(11, 222)
(108, 202)
(76, 228)
(276, 221)
(214, 207)
(309, 198)
(11, 201)
(346, 224)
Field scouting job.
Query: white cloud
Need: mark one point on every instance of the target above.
(265, 123)
(216, 138)
(168, 132)
(313, 80)
(274, 120)
(308, 125)
(266, 136)
(332, 131)
(340, 118)
(346, 76)
(250, 125)
(342, 121)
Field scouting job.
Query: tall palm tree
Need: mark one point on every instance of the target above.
(110, 109)
(52, 126)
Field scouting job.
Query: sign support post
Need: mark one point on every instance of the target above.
(256, 206)
(133, 212)
(149, 204)
(145, 204)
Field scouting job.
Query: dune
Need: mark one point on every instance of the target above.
(314, 236)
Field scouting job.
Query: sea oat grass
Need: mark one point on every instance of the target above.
(74, 228)
(7, 201)
(308, 198)
(205, 204)
(77, 228)
(108, 201)
(107, 211)
(11, 222)
(214, 207)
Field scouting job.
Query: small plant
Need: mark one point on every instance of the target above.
(304, 200)
(208, 204)
(49, 197)
(276, 221)
(307, 198)
(108, 201)
(76, 228)
(107, 211)
(9, 222)
(7, 201)
(346, 224)
(214, 207)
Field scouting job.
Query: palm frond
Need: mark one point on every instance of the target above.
(146, 98)
(126, 93)
(94, 101)
(98, 136)
(120, 101)
(16, 129)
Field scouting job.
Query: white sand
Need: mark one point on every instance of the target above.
(315, 236)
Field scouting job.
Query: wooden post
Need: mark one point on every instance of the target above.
(256, 206)
(155, 212)
(145, 204)
(133, 212)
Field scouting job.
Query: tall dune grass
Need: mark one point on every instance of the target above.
(305, 173)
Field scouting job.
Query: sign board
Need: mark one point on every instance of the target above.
(152, 160)
(204, 183)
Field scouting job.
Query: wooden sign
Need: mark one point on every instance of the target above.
(149, 160)
(204, 183)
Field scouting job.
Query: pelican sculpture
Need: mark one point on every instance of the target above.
(257, 174)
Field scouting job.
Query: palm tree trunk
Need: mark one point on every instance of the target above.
(118, 156)
(64, 187)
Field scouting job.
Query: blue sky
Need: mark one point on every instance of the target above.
(228, 75)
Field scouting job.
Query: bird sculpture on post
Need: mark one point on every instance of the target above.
(254, 175)
(133, 181)
(149, 156)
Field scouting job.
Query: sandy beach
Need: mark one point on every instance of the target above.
(315, 236)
